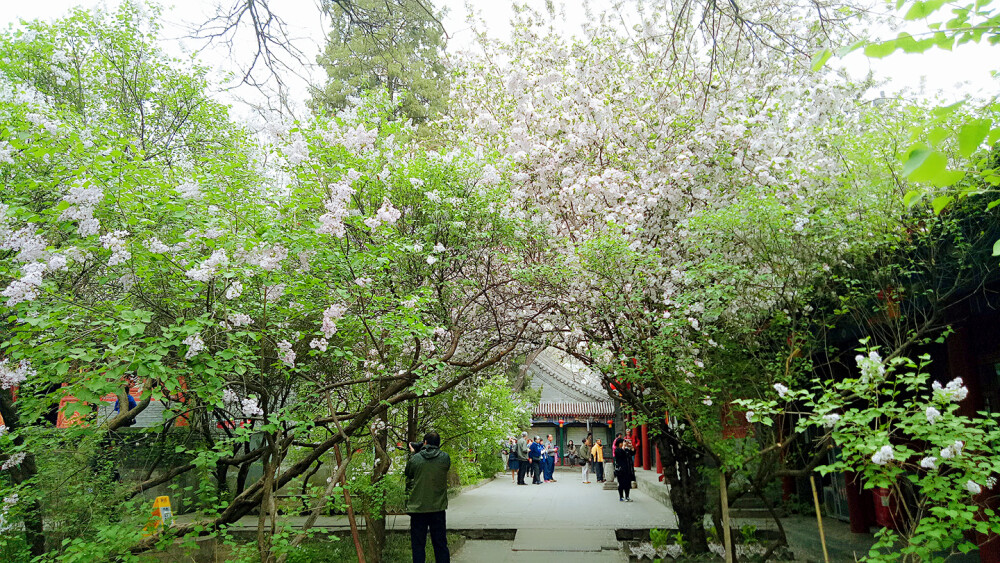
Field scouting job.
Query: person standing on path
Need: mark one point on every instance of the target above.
(585, 449)
(624, 471)
(597, 453)
(535, 453)
(512, 463)
(571, 454)
(523, 461)
(427, 499)
(550, 459)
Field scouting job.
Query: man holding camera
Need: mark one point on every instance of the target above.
(427, 498)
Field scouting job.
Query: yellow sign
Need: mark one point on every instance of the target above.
(162, 515)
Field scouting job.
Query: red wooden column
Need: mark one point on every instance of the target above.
(659, 464)
(637, 446)
(646, 459)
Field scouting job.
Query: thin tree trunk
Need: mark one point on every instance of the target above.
(34, 532)
(682, 471)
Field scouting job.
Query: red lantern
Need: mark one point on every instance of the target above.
(561, 421)
(610, 422)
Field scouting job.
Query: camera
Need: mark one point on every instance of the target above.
(414, 446)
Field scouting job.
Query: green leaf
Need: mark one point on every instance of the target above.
(820, 58)
(850, 48)
(912, 197)
(921, 10)
(971, 136)
(880, 50)
(996, 248)
(915, 160)
(940, 202)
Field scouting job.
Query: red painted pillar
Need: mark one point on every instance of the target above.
(659, 464)
(637, 445)
(646, 458)
(859, 507)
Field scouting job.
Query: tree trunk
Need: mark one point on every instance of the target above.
(375, 517)
(682, 465)
(34, 532)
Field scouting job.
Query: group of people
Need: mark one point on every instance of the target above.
(525, 455)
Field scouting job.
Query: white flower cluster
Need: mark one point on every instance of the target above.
(115, 242)
(156, 246)
(272, 293)
(884, 455)
(195, 345)
(332, 222)
(932, 415)
(234, 290)
(363, 282)
(872, 369)
(750, 415)
(954, 450)
(707, 401)
(386, 214)
(929, 462)
(240, 319)
(189, 190)
(331, 315)
(12, 375)
(251, 407)
(286, 354)
(831, 420)
(319, 344)
(83, 201)
(26, 288)
(270, 257)
(30, 246)
(8, 502)
(781, 389)
(973, 487)
(209, 267)
(13, 461)
(955, 391)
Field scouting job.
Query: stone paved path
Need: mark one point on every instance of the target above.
(566, 504)
(566, 520)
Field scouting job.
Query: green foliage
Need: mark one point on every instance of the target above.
(398, 50)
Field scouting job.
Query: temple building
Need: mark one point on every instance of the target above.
(572, 401)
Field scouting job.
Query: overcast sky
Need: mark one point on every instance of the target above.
(953, 74)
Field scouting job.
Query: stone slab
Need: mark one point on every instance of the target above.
(558, 539)
(483, 551)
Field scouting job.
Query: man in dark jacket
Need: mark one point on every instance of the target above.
(522, 458)
(427, 499)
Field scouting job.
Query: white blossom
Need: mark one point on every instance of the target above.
(781, 389)
(872, 369)
(929, 462)
(234, 290)
(26, 288)
(273, 293)
(953, 450)
(973, 487)
(884, 455)
(195, 345)
(189, 190)
(207, 270)
(286, 354)
(12, 375)
(319, 344)
(431, 259)
(240, 319)
(363, 282)
(932, 415)
(831, 420)
(331, 315)
(707, 401)
(155, 246)
(439, 247)
(750, 416)
(115, 242)
(251, 407)
(270, 257)
(13, 461)
(955, 391)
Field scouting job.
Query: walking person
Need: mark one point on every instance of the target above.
(597, 453)
(535, 454)
(550, 459)
(585, 450)
(510, 461)
(523, 461)
(427, 499)
(624, 471)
